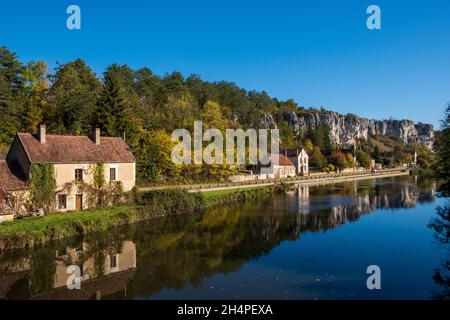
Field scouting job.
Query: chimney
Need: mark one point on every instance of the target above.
(41, 133)
(96, 135)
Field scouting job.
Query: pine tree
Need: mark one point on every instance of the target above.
(11, 95)
(112, 113)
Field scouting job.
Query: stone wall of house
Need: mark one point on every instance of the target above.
(65, 178)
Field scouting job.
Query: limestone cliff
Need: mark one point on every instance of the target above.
(345, 128)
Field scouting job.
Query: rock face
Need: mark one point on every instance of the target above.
(345, 128)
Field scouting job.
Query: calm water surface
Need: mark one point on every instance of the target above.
(314, 243)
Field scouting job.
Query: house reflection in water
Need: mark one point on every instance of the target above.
(331, 211)
(103, 273)
(113, 263)
(218, 241)
(302, 195)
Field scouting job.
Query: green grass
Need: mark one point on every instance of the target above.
(34, 231)
(221, 194)
(52, 220)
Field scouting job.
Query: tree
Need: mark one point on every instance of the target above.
(402, 157)
(376, 154)
(262, 101)
(35, 91)
(309, 145)
(339, 160)
(286, 135)
(320, 135)
(149, 87)
(43, 186)
(11, 95)
(174, 84)
(349, 160)
(317, 159)
(212, 116)
(154, 158)
(363, 158)
(442, 149)
(73, 96)
(112, 114)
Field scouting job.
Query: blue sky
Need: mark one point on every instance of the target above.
(318, 52)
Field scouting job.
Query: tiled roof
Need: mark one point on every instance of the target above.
(282, 160)
(8, 181)
(75, 149)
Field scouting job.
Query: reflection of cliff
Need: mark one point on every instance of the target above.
(143, 260)
(330, 212)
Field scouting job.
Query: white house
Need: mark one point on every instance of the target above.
(281, 167)
(299, 158)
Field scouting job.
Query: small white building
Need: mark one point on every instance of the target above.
(280, 168)
(299, 158)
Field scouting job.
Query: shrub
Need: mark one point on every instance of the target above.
(170, 201)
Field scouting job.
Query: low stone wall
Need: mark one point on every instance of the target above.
(304, 181)
(249, 177)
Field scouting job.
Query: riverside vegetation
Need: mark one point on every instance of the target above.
(31, 232)
(146, 108)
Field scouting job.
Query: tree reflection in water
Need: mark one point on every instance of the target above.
(142, 260)
(441, 226)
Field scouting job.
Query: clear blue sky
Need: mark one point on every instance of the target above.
(317, 52)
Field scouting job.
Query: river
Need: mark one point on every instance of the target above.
(312, 243)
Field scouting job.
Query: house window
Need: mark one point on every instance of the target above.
(79, 175)
(62, 201)
(112, 174)
(113, 261)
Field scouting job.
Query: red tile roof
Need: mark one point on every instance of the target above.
(8, 181)
(282, 160)
(75, 149)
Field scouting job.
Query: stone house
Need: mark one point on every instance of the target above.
(12, 188)
(281, 167)
(73, 158)
(299, 158)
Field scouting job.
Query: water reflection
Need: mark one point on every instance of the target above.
(142, 260)
(440, 224)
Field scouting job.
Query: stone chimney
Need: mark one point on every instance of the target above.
(41, 135)
(96, 135)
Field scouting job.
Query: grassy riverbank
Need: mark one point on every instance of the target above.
(33, 231)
